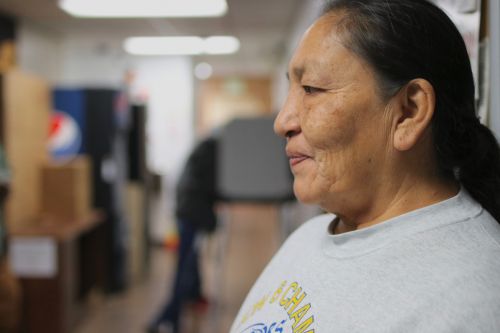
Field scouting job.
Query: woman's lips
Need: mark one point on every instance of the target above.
(296, 159)
(296, 155)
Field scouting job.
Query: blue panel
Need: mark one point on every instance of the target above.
(72, 102)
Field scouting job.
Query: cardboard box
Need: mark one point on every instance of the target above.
(66, 190)
(7, 55)
(26, 109)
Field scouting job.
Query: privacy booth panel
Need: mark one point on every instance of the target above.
(252, 164)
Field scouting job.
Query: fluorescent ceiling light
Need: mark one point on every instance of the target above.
(164, 45)
(221, 45)
(188, 45)
(143, 8)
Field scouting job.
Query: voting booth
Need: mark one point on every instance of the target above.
(252, 164)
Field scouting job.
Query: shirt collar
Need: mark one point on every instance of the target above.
(363, 241)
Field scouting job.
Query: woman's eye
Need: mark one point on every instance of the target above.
(311, 90)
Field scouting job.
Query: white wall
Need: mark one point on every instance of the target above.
(39, 51)
(168, 83)
(92, 62)
(70, 60)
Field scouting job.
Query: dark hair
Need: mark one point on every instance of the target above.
(407, 39)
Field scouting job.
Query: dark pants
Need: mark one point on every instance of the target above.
(187, 282)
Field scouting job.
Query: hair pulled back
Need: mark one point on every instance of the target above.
(407, 39)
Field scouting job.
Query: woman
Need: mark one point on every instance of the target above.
(382, 133)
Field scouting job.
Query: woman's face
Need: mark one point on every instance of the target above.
(334, 120)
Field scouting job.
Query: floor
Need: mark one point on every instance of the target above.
(232, 259)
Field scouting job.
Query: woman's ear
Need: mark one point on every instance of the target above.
(414, 105)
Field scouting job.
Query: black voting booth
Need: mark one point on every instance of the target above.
(138, 172)
(106, 144)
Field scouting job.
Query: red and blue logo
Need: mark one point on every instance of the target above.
(65, 137)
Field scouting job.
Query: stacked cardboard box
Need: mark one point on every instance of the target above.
(66, 190)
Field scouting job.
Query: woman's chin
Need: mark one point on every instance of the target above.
(304, 194)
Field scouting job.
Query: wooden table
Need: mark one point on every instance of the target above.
(53, 304)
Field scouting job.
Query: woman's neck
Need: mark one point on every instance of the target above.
(407, 196)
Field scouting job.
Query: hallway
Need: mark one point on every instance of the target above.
(232, 258)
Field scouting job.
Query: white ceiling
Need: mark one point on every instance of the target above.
(263, 27)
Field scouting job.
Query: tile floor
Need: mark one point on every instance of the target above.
(232, 258)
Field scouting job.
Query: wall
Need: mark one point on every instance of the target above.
(221, 99)
(69, 60)
(167, 83)
(39, 51)
(92, 62)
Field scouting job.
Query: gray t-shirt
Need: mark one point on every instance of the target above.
(435, 269)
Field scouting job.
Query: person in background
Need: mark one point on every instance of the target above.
(195, 212)
(382, 133)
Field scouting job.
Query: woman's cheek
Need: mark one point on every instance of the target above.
(332, 165)
(329, 133)
(327, 126)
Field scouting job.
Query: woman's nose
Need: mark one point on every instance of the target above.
(287, 122)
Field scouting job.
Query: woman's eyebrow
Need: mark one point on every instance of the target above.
(297, 72)
(314, 66)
